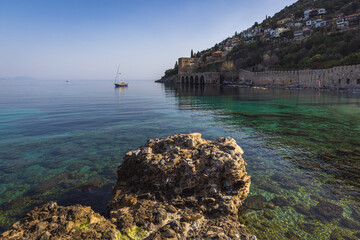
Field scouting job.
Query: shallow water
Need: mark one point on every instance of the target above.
(63, 140)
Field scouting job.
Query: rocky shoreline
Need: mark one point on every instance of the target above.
(178, 187)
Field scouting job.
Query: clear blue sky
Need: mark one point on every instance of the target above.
(87, 39)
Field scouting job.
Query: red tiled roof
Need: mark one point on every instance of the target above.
(352, 15)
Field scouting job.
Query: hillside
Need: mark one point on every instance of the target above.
(306, 35)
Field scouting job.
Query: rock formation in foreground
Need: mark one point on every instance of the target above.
(172, 188)
(51, 221)
(182, 187)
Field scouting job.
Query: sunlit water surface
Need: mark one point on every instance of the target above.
(63, 141)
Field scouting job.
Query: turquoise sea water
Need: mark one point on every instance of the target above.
(63, 141)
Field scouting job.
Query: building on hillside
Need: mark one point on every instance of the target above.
(320, 23)
(321, 11)
(187, 65)
(307, 13)
(268, 30)
(353, 20)
(306, 31)
(313, 12)
(348, 21)
(276, 33)
(284, 21)
(217, 54)
(298, 25)
(310, 23)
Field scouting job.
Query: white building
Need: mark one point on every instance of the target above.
(320, 23)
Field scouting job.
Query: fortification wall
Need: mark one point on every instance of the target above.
(187, 65)
(199, 78)
(344, 77)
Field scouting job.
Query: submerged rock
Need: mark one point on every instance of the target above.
(305, 210)
(182, 187)
(280, 201)
(257, 202)
(292, 236)
(327, 210)
(348, 223)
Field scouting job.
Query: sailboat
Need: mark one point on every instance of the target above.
(117, 79)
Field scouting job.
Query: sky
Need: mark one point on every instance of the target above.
(88, 39)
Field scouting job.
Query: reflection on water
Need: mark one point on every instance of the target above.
(302, 147)
(303, 151)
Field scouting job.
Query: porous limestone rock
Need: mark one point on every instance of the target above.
(182, 187)
(51, 221)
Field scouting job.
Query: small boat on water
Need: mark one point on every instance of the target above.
(117, 82)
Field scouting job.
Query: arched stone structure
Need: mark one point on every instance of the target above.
(201, 78)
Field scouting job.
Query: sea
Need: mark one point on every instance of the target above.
(62, 140)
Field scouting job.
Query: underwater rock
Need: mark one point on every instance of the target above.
(327, 210)
(292, 236)
(308, 227)
(347, 223)
(285, 181)
(331, 193)
(280, 201)
(257, 202)
(51, 221)
(49, 184)
(340, 234)
(303, 210)
(181, 187)
(270, 205)
(290, 132)
(270, 187)
(356, 213)
(269, 214)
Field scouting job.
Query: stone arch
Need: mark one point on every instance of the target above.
(191, 80)
(187, 79)
(182, 79)
(196, 80)
(202, 80)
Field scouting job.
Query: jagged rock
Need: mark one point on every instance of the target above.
(182, 187)
(51, 221)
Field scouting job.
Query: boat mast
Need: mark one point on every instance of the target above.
(117, 77)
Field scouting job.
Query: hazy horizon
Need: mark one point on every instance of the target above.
(81, 39)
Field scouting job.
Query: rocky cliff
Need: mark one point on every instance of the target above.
(177, 187)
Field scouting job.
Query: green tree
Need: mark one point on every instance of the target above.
(192, 53)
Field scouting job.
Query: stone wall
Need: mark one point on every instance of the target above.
(343, 77)
(187, 65)
(199, 78)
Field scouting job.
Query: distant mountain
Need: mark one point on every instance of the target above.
(18, 78)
